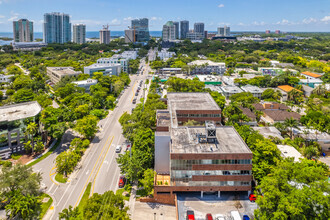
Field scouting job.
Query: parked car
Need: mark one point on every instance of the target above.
(209, 217)
(118, 149)
(122, 181)
(252, 197)
(137, 93)
(134, 101)
(246, 217)
(190, 215)
(219, 217)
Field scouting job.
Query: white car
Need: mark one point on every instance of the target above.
(219, 217)
(118, 149)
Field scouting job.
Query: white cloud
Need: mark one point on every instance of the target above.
(241, 24)
(326, 19)
(309, 20)
(128, 19)
(115, 22)
(2, 16)
(221, 6)
(13, 18)
(87, 22)
(156, 18)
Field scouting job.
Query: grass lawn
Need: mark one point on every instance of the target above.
(85, 197)
(46, 154)
(121, 191)
(16, 156)
(45, 206)
(60, 178)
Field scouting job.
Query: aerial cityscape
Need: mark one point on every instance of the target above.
(164, 111)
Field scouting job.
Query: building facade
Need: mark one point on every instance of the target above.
(23, 30)
(206, 67)
(105, 35)
(141, 27)
(79, 33)
(86, 84)
(168, 31)
(199, 27)
(206, 157)
(112, 69)
(195, 36)
(57, 73)
(223, 31)
(129, 36)
(184, 29)
(176, 25)
(122, 59)
(57, 28)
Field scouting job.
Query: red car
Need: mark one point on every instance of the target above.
(128, 147)
(253, 197)
(190, 215)
(209, 217)
(122, 181)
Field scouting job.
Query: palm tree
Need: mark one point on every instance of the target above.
(291, 123)
(31, 129)
(320, 90)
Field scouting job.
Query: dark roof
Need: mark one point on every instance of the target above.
(248, 113)
(281, 115)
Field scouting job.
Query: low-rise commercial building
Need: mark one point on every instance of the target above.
(28, 46)
(254, 90)
(13, 124)
(206, 157)
(106, 68)
(207, 67)
(171, 71)
(195, 36)
(273, 71)
(209, 79)
(57, 73)
(164, 54)
(86, 84)
(228, 91)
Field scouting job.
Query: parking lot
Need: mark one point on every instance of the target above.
(210, 203)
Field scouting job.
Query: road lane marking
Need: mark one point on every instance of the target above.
(83, 190)
(98, 170)
(51, 174)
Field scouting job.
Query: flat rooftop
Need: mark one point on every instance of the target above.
(163, 118)
(19, 111)
(191, 101)
(251, 89)
(63, 70)
(231, 89)
(268, 132)
(289, 151)
(185, 141)
(85, 82)
(103, 65)
(207, 62)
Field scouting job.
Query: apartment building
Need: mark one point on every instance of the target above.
(122, 59)
(254, 90)
(206, 67)
(23, 30)
(79, 33)
(57, 28)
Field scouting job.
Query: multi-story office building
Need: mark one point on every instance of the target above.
(57, 28)
(28, 46)
(86, 84)
(110, 68)
(168, 31)
(23, 30)
(105, 35)
(57, 73)
(199, 27)
(267, 31)
(176, 25)
(79, 33)
(129, 36)
(223, 31)
(184, 29)
(195, 36)
(206, 67)
(206, 157)
(122, 59)
(277, 31)
(141, 27)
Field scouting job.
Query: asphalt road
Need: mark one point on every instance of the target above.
(98, 165)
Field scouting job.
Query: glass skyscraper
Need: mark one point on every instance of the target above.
(141, 27)
(79, 33)
(23, 30)
(57, 28)
(184, 29)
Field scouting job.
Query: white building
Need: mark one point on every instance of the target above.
(122, 59)
(57, 73)
(164, 54)
(5, 78)
(105, 68)
(86, 84)
(195, 36)
(256, 91)
(228, 91)
(207, 67)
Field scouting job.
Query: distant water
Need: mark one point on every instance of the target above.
(89, 34)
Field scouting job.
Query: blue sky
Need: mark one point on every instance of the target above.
(240, 15)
